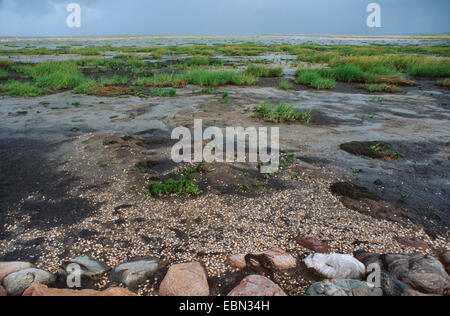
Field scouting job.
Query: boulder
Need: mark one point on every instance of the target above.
(11, 267)
(237, 261)
(186, 279)
(391, 286)
(3, 291)
(257, 285)
(16, 283)
(313, 244)
(133, 273)
(336, 266)
(368, 258)
(90, 268)
(343, 288)
(423, 273)
(445, 259)
(278, 259)
(43, 290)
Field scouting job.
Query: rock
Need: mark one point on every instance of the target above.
(90, 268)
(343, 288)
(280, 259)
(11, 267)
(423, 273)
(445, 259)
(237, 261)
(368, 258)
(257, 285)
(336, 266)
(133, 273)
(313, 244)
(16, 283)
(187, 279)
(416, 293)
(411, 242)
(43, 290)
(2, 291)
(391, 286)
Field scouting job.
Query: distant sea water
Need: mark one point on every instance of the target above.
(145, 41)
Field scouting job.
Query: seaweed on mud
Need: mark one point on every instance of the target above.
(376, 150)
(353, 191)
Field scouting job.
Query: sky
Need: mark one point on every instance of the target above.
(32, 18)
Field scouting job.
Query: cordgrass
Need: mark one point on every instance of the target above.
(22, 89)
(285, 85)
(261, 71)
(383, 88)
(281, 113)
(162, 80)
(210, 78)
(313, 79)
(54, 75)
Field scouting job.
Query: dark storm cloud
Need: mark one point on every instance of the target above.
(185, 17)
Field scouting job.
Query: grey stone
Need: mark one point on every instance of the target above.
(16, 283)
(11, 267)
(391, 286)
(423, 273)
(132, 273)
(343, 288)
(90, 268)
(336, 266)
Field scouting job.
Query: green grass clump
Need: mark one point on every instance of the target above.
(22, 89)
(285, 85)
(383, 88)
(198, 61)
(54, 75)
(162, 80)
(3, 74)
(261, 71)
(160, 92)
(114, 81)
(210, 78)
(313, 79)
(281, 113)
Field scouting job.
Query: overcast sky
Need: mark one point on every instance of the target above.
(222, 17)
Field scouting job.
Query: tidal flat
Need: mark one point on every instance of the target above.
(85, 147)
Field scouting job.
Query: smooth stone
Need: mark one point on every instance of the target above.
(368, 258)
(16, 283)
(257, 285)
(336, 266)
(11, 267)
(237, 261)
(186, 279)
(279, 259)
(343, 288)
(3, 291)
(132, 273)
(43, 290)
(424, 274)
(90, 268)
